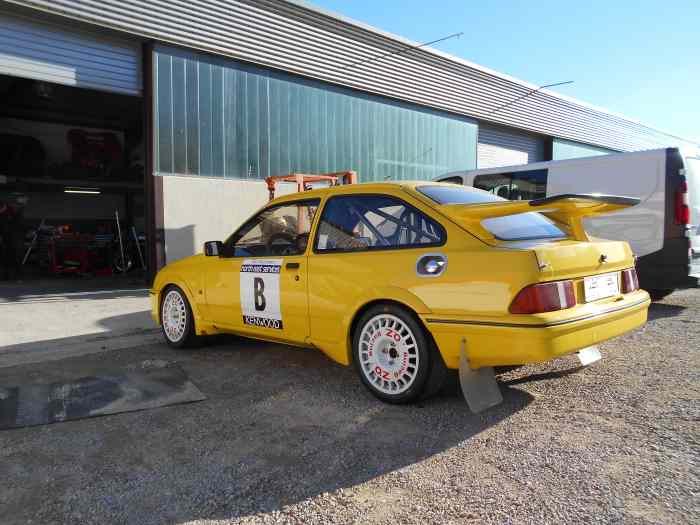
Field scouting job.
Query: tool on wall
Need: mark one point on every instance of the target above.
(32, 244)
(121, 243)
(138, 247)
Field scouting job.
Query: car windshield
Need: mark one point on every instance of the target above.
(519, 227)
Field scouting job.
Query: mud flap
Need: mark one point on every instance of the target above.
(480, 388)
(589, 355)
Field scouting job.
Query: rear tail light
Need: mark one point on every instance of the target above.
(630, 281)
(544, 297)
(681, 204)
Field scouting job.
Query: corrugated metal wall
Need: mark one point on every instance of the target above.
(219, 118)
(302, 40)
(565, 149)
(33, 48)
(507, 147)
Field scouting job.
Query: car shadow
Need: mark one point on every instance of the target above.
(663, 310)
(555, 374)
(280, 426)
(328, 434)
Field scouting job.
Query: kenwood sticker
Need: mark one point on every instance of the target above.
(260, 293)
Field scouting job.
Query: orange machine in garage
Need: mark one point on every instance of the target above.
(304, 180)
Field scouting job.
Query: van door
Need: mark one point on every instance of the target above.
(640, 175)
(692, 177)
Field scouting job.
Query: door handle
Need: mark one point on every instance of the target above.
(292, 266)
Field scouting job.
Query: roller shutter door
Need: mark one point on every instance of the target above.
(58, 53)
(505, 147)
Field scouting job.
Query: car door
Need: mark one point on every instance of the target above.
(258, 287)
(363, 242)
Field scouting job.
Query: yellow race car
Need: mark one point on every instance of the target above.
(407, 280)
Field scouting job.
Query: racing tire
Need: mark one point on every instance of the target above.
(394, 357)
(176, 319)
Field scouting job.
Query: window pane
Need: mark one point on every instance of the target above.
(519, 185)
(374, 222)
(455, 195)
(280, 230)
(530, 225)
(241, 121)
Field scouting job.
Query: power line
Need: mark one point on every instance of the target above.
(405, 50)
(531, 92)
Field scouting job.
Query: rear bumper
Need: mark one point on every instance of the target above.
(500, 344)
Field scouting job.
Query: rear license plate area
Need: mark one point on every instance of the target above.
(601, 286)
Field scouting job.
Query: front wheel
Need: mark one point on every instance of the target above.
(177, 321)
(392, 354)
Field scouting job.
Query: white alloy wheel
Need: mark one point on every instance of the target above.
(388, 352)
(174, 316)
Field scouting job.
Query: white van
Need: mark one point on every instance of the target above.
(663, 230)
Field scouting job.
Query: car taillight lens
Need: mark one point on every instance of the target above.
(682, 208)
(630, 281)
(544, 297)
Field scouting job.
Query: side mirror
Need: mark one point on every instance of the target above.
(213, 248)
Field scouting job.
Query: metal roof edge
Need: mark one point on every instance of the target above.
(304, 4)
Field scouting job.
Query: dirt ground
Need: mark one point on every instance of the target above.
(286, 436)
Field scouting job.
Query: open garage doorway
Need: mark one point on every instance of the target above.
(72, 205)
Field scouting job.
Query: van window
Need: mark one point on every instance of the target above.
(520, 227)
(456, 179)
(515, 186)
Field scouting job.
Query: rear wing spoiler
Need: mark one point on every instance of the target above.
(567, 209)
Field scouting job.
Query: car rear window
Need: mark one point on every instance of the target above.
(520, 227)
(523, 226)
(456, 195)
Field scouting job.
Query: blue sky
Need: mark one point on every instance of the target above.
(638, 58)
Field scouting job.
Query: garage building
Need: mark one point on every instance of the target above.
(145, 128)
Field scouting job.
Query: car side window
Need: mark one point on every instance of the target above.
(278, 230)
(374, 222)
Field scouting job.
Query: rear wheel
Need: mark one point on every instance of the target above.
(177, 321)
(393, 355)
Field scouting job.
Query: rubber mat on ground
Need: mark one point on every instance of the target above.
(41, 404)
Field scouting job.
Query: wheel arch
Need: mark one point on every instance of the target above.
(181, 284)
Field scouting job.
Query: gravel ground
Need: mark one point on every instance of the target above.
(286, 436)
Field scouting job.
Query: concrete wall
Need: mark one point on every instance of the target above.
(199, 209)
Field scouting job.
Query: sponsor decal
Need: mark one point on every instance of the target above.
(260, 293)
